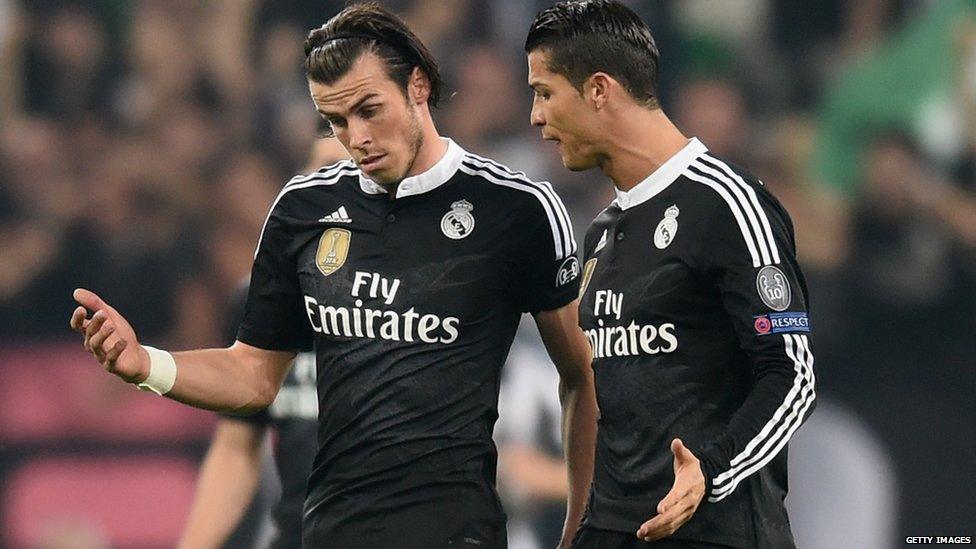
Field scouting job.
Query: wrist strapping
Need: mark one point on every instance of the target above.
(162, 371)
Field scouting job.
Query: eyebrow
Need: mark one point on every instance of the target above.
(355, 106)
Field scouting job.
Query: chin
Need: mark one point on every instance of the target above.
(578, 164)
(383, 176)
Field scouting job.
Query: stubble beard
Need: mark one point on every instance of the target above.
(415, 140)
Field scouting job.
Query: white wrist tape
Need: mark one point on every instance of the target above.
(162, 371)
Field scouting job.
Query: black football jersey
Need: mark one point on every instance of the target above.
(413, 302)
(697, 314)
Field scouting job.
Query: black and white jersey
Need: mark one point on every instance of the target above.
(697, 313)
(413, 303)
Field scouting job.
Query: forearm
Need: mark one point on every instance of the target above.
(570, 351)
(228, 480)
(223, 380)
(579, 443)
(780, 400)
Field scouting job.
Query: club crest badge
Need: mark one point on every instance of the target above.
(458, 223)
(667, 228)
(333, 250)
(773, 288)
(587, 274)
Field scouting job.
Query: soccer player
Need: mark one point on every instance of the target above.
(691, 297)
(410, 265)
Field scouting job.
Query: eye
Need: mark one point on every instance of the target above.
(329, 125)
(324, 129)
(369, 112)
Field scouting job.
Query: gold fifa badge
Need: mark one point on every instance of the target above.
(333, 250)
(587, 274)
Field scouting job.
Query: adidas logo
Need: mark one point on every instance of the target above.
(338, 216)
(601, 243)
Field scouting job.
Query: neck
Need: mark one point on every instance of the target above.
(432, 149)
(640, 142)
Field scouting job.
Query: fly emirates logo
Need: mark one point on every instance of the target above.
(625, 340)
(360, 321)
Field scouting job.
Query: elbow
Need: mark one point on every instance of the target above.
(576, 379)
(264, 396)
(261, 397)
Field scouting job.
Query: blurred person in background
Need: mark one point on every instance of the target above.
(374, 82)
(232, 470)
(722, 369)
(715, 110)
(532, 475)
(910, 324)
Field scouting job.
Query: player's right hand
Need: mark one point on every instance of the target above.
(110, 338)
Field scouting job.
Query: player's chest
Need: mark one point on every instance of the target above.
(440, 255)
(639, 270)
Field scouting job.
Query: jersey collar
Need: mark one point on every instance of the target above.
(437, 175)
(662, 177)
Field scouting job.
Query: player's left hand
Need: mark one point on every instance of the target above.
(683, 499)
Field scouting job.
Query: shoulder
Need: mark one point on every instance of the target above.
(509, 184)
(525, 198)
(323, 178)
(726, 188)
(736, 202)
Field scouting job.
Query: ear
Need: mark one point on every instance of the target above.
(418, 87)
(596, 89)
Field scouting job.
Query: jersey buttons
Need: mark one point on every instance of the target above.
(620, 235)
(390, 218)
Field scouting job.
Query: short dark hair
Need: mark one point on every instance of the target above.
(331, 49)
(582, 37)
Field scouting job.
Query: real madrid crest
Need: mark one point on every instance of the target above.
(333, 250)
(458, 223)
(667, 228)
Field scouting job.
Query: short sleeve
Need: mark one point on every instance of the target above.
(273, 313)
(548, 269)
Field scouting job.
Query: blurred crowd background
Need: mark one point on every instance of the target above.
(142, 142)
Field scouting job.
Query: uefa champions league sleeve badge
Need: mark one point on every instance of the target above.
(458, 223)
(774, 288)
(667, 228)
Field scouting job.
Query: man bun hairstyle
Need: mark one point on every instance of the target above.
(332, 49)
(582, 37)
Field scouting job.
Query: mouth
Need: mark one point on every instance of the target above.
(369, 163)
(555, 140)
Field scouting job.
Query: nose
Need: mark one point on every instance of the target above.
(536, 117)
(360, 136)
